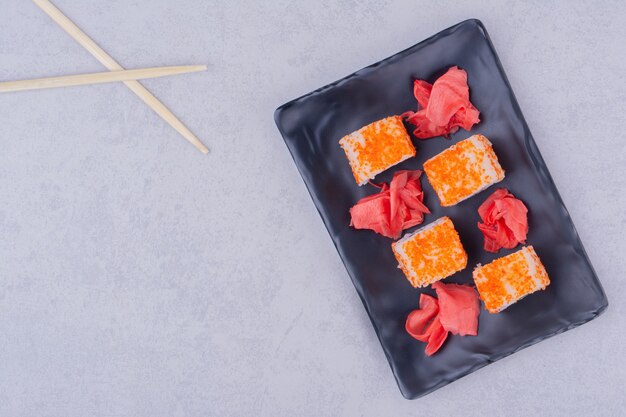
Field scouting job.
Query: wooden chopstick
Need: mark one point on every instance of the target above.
(147, 97)
(96, 78)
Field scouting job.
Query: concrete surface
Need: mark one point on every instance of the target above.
(139, 277)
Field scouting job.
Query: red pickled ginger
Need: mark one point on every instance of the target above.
(505, 221)
(443, 106)
(455, 311)
(424, 324)
(458, 308)
(395, 208)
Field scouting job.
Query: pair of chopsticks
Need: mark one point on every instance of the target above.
(116, 73)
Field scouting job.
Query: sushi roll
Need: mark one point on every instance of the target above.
(463, 170)
(508, 279)
(377, 147)
(431, 253)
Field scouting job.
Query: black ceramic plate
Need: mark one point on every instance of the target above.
(312, 125)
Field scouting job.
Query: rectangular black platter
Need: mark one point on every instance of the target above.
(311, 126)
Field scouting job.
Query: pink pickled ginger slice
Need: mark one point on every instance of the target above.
(438, 335)
(395, 208)
(424, 324)
(444, 106)
(458, 308)
(419, 321)
(455, 311)
(505, 221)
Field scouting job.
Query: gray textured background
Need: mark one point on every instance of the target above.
(141, 278)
